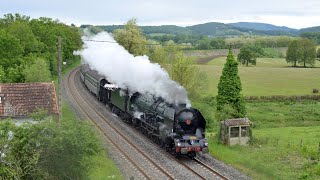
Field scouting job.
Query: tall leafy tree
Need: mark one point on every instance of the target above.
(188, 75)
(247, 56)
(32, 72)
(159, 55)
(23, 32)
(204, 44)
(302, 51)
(294, 53)
(131, 38)
(10, 50)
(309, 55)
(229, 88)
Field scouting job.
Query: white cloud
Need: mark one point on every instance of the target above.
(292, 13)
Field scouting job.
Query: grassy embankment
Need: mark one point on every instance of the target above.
(104, 166)
(286, 134)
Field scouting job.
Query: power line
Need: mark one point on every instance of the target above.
(178, 45)
(100, 41)
(59, 81)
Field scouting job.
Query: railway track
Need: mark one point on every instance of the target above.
(152, 169)
(196, 167)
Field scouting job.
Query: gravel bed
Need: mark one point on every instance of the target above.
(226, 170)
(129, 171)
(202, 170)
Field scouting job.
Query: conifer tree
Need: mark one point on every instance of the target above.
(229, 89)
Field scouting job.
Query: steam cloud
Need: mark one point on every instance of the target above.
(137, 74)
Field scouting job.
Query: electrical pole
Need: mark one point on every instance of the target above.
(59, 81)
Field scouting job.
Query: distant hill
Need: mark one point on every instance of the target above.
(234, 29)
(216, 29)
(262, 26)
(166, 29)
(310, 29)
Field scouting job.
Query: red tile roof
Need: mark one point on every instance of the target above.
(21, 99)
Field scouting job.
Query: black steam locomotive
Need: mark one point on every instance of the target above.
(178, 129)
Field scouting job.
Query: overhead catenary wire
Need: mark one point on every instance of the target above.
(103, 41)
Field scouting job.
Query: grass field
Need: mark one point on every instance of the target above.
(276, 153)
(286, 134)
(271, 76)
(283, 114)
(285, 145)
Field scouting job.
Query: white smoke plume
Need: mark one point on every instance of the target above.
(137, 74)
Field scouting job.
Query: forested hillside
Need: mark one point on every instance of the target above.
(310, 29)
(262, 26)
(217, 29)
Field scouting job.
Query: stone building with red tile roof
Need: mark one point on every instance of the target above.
(21, 99)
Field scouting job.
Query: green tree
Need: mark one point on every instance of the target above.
(22, 153)
(294, 53)
(311, 35)
(2, 75)
(247, 56)
(46, 151)
(131, 38)
(10, 18)
(23, 32)
(204, 44)
(37, 72)
(302, 51)
(10, 50)
(229, 88)
(188, 75)
(218, 43)
(14, 74)
(318, 54)
(309, 55)
(159, 55)
(22, 38)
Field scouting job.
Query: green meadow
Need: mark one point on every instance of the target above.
(286, 134)
(271, 76)
(275, 153)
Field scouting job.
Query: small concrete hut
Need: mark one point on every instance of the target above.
(235, 131)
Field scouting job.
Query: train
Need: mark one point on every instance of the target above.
(177, 128)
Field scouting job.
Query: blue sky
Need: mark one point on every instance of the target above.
(291, 13)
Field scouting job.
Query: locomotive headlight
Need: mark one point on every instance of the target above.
(179, 144)
(205, 142)
(191, 141)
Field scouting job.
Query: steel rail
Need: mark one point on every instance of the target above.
(117, 131)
